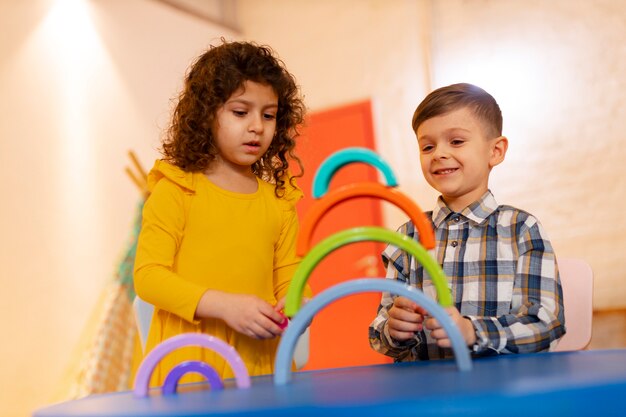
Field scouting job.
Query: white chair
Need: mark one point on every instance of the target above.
(143, 317)
(577, 283)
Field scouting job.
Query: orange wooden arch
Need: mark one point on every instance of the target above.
(364, 189)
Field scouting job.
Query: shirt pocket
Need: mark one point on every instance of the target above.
(488, 293)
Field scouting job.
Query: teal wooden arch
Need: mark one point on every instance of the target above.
(346, 156)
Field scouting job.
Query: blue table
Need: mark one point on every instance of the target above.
(587, 383)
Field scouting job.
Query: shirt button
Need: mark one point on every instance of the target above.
(457, 219)
(454, 243)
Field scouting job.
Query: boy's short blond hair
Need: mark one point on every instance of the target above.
(453, 97)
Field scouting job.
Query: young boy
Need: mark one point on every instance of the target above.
(501, 268)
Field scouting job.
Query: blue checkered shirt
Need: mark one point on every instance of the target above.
(502, 274)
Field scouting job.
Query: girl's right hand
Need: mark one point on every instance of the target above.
(405, 318)
(244, 313)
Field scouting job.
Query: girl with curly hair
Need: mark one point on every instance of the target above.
(216, 252)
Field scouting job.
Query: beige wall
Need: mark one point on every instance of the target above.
(80, 84)
(343, 51)
(558, 69)
(78, 93)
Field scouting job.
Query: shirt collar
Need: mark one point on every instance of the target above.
(477, 212)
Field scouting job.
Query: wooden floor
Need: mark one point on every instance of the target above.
(609, 330)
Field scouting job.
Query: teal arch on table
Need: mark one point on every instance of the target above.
(361, 234)
(337, 160)
(282, 364)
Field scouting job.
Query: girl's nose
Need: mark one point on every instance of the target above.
(256, 124)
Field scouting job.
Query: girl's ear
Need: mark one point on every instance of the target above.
(498, 150)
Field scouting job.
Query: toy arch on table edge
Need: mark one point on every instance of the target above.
(142, 378)
(282, 365)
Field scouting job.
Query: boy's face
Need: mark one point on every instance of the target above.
(457, 156)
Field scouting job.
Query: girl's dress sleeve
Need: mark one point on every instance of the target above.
(161, 233)
(285, 260)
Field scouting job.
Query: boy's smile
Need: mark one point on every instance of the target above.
(457, 156)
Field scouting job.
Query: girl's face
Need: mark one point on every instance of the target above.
(245, 125)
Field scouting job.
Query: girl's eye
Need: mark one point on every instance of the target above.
(239, 113)
(269, 116)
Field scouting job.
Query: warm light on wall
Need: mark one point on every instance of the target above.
(511, 73)
(77, 69)
(77, 55)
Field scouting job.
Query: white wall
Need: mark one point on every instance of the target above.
(78, 93)
(81, 82)
(349, 50)
(558, 69)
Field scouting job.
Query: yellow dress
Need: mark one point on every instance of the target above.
(196, 236)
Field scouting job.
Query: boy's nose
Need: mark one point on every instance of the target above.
(441, 153)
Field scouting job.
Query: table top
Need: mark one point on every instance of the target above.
(557, 383)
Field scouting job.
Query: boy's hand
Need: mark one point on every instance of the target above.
(246, 314)
(405, 318)
(464, 324)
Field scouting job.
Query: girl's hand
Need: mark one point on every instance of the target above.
(280, 305)
(439, 334)
(244, 313)
(405, 318)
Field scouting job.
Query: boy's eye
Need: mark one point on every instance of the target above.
(457, 141)
(427, 148)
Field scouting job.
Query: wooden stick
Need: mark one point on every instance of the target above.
(133, 158)
(141, 185)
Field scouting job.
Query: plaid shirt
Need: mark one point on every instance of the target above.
(502, 274)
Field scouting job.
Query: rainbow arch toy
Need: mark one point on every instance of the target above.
(142, 378)
(326, 201)
(302, 315)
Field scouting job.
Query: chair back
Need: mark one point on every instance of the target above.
(577, 283)
(143, 317)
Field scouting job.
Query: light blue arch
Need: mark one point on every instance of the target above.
(337, 160)
(282, 364)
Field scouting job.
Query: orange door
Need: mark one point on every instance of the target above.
(339, 333)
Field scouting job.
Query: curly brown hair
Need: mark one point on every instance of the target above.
(209, 83)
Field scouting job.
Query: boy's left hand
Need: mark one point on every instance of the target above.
(439, 334)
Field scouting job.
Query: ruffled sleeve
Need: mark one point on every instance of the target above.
(164, 217)
(285, 259)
